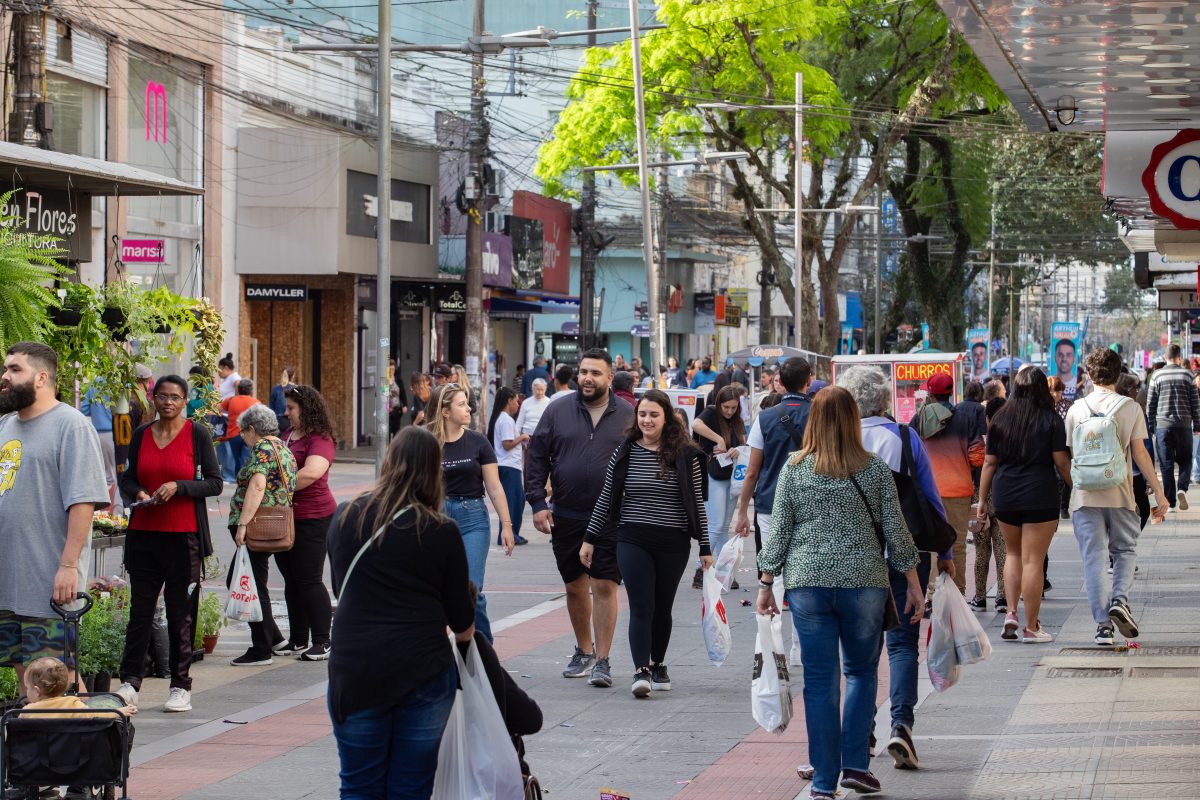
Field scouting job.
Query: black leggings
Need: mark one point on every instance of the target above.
(303, 568)
(651, 579)
(265, 635)
(168, 562)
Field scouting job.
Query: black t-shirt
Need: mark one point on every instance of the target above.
(1028, 484)
(462, 464)
(711, 417)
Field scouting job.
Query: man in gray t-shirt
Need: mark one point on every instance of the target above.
(51, 479)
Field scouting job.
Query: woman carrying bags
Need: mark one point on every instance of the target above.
(654, 496)
(834, 504)
(399, 571)
(509, 445)
(721, 430)
(172, 470)
(468, 468)
(266, 481)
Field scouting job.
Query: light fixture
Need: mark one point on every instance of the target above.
(1065, 110)
(1169, 96)
(1168, 81)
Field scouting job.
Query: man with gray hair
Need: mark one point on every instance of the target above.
(872, 391)
(538, 371)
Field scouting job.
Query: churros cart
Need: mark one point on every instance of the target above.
(908, 373)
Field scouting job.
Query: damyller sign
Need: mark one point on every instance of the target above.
(276, 291)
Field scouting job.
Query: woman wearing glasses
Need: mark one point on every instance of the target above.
(468, 468)
(310, 438)
(172, 469)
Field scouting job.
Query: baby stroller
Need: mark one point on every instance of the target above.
(533, 788)
(89, 751)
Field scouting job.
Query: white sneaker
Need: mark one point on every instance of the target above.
(794, 655)
(180, 700)
(128, 694)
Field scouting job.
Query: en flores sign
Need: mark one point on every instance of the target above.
(65, 216)
(1172, 180)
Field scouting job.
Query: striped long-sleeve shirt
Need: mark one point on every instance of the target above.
(1173, 401)
(650, 498)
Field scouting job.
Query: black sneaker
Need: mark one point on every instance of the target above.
(318, 652)
(660, 681)
(601, 674)
(581, 664)
(1001, 605)
(1121, 616)
(978, 603)
(1104, 635)
(861, 782)
(1046, 585)
(733, 587)
(251, 659)
(289, 649)
(642, 683)
(871, 742)
(698, 579)
(901, 748)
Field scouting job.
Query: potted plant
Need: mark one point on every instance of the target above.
(9, 688)
(209, 623)
(27, 271)
(102, 637)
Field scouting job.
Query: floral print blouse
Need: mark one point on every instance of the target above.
(272, 459)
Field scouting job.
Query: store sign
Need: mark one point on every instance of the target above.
(156, 102)
(142, 251)
(1172, 180)
(65, 216)
(922, 372)
(451, 301)
(411, 299)
(1177, 300)
(276, 291)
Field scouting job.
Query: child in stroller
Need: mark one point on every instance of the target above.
(46, 688)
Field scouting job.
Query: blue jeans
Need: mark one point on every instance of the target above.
(472, 518)
(902, 647)
(225, 457)
(720, 512)
(1195, 458)
(239, 454)
(838, 627)
(392, 752)
(513, 482)
(1174, 447)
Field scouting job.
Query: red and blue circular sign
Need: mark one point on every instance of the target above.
(1172, 180)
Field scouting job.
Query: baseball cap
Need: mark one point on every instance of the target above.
(939, 383)
(443, 370)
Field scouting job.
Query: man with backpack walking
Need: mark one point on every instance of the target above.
(954, 442)
(1107, 432)
(1173, 406)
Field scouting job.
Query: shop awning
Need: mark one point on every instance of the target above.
(534, 303)
(31, 167)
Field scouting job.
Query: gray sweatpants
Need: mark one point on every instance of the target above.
(1104, 532)
(108, 450)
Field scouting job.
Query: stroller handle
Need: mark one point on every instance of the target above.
(73, 616)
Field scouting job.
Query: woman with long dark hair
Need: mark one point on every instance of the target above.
(720, 429)
(509, 444)
(310, 438)
(654, 496)
(834, 503)
(468, 470)
(1026, 444)
(400, 574)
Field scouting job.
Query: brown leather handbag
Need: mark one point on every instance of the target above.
(273, 530)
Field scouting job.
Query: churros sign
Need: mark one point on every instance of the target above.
(922, 372)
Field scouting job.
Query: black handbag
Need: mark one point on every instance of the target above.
(930, 531)
(891, 617)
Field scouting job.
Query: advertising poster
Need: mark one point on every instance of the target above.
(908, 383)
(1064, 354)
(977, 352)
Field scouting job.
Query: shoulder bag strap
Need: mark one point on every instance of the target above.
(871, 512)
(786, 419)
(290, 485)
(366, 544)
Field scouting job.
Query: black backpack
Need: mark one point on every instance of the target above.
(930, 531)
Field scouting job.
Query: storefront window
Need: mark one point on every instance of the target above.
(78, 116)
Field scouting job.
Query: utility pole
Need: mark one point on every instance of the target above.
(660, 265)
(24, 125)
(473, 350)
(801, 276)
(383, 233)
(992, 274)
(587, 227)
(878, 269)
(658, 320)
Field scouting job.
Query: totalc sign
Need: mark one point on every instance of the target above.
(1172, 180)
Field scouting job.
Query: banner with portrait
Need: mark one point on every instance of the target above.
(1065, 341)
(978, 357)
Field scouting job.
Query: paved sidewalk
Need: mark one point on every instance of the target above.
(1059, 720)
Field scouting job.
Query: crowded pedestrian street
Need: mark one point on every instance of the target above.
(1067, 721)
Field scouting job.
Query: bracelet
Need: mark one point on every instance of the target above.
(768, 585)
(66, 566)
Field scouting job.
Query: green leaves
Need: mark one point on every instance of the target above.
(28, 270)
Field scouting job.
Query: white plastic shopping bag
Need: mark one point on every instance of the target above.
(714, 620)
(739, 472)
(941, 657)
(243, 604)
(770, 688)
(971, 643)
(476, 760)
(728, 561)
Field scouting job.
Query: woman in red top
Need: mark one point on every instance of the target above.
(311, 442)
(172, 469)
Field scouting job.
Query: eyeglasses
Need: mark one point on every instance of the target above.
(169, 399)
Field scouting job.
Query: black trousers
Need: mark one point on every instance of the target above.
(263, 635)
(1141, 499)
(303, 571)
(167, 562)
(651, 579)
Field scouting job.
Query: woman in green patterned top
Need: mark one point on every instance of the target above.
(824, 544)
(267, 480)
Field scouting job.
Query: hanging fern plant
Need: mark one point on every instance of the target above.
(28, 271)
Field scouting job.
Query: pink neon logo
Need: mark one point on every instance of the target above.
(156, 97)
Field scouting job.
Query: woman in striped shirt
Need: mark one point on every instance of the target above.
(654, 493)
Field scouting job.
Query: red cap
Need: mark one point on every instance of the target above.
(939, 383)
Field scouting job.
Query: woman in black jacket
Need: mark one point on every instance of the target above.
(399, 569)
(654, 493)
(172, 470)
